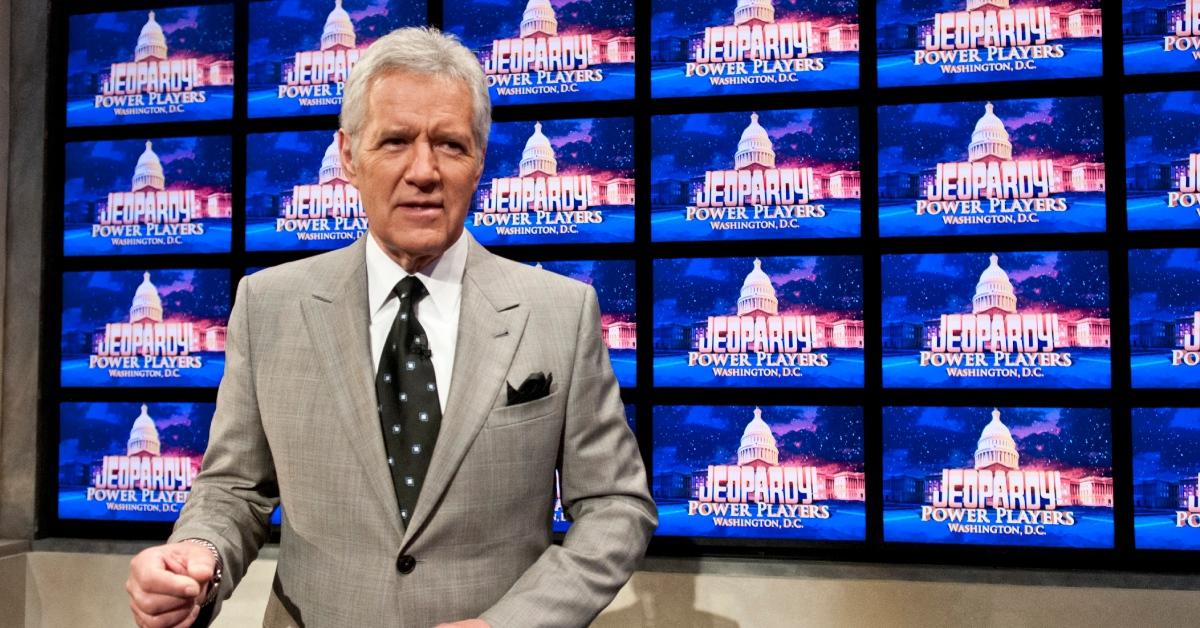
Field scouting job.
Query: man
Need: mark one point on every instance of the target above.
(316, 410)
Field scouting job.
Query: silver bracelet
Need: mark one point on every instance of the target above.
(215, 583)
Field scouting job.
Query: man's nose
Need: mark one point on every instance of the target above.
(423, 171)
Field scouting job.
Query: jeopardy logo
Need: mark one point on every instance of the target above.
(790, 173)
(1040, 181)
(550, 52)
(150, 345)
(588, 197)
(937, 41)
(167, 79)
(177, 200)
(143, 474)
(998, 343)
(774, 472)
(764, 342)
(1004, 496)
(753, 46)
(118, 463)
(294, 202)
(301, 56)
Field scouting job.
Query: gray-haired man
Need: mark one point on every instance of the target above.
(411, 364)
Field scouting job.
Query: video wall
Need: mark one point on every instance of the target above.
(875, 278)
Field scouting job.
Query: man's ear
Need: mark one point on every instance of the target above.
(347, 157)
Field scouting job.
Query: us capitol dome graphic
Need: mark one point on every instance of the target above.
(148, 177)
(976, 5)
(994, 293)
(147, 309)
(990, 141)
(996, 450)
(143, 438)
(331, 165)
(538, 157)
(151, 43)
(539, 19)
(339, 30)
(758, 447)
(755, 150)
(754, 12)
(147, 306)
(148, 174)
(538, 160)
(758, 295)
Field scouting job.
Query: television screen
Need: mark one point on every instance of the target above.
(1162, 160)
(939, 42)
(300, 54)
(616, 289)
(1164, 318)
(129, 461)
(708, 48)
(1161, 36)
(1036, 477)
(1008, 166)
(556, 181)
(181, 67)
(560, 522)
(1166, 468)
(769, 174)
(144, 328)
(1007, 320)
(167, 195)
(297, 196)
(771, 472)
(549, 51)
(780, 322)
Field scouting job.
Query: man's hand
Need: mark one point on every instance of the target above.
(466, 623)
(167, 584)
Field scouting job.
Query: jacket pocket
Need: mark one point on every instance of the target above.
(523, 412)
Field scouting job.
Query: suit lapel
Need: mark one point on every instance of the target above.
(338, 323)
(490, 324)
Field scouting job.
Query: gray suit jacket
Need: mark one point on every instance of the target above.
(296, 421)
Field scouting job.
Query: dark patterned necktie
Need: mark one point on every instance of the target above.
(406, 389)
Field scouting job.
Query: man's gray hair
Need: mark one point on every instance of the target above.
(423, 51)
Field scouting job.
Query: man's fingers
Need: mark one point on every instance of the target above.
(163, 582)
(200, 568)
(156, 603)
(179, 617)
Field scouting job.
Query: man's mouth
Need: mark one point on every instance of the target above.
(419, 206)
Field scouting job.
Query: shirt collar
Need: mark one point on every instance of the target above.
(442, 277)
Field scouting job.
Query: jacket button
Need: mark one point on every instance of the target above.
(405, 564)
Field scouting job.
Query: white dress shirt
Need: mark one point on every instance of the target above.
(437, 313)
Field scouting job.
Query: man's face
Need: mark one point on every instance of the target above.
(416, 164)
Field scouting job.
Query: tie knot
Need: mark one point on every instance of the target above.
(410, 286)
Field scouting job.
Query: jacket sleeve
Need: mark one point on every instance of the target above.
(235, 492)
(604, 492)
